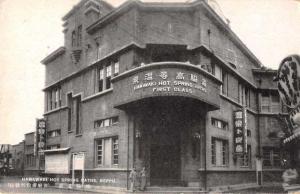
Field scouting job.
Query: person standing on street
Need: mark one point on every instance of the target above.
(132, 178)
(143, 178)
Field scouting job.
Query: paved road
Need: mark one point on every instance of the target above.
(15, 185)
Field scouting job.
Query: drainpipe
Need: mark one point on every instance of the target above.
(205, 153)
(128, 125)
(258, 155)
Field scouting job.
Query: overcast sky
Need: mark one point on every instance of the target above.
(32, 29)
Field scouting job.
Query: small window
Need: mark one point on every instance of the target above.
(116, 67)
(219, 124)
(106, 122)
(115, 151)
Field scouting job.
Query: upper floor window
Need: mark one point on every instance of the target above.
(54, 98)
(79, 37)
(270, 102)
(219, 124)
(101, 79)
(105, 74)
(73, 38)
(116, 67)
(77, 114)
(108, 77)
(54, 133)
(106, 122)
(51, 147)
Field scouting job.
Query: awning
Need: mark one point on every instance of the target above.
(56, 150)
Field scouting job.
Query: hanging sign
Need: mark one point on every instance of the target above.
(40, 136)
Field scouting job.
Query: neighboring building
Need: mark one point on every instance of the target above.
(18, 158)
(158, 85)
(30, 159)
(5, 159)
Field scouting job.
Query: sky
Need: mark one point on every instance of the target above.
(31, 29)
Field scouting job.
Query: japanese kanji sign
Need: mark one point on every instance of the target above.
(40, 135)
(240, 131)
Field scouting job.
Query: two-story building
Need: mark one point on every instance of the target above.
(157, 85)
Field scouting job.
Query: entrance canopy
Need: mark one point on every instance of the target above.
(167, 79)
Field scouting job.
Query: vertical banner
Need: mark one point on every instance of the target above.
(240, 131)
(40, 135)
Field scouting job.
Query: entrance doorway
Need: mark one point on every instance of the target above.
(165, 165)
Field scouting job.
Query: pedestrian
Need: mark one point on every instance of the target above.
(143, 179)
(132, 178)
(290, 175)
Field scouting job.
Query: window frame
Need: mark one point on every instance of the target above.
(113, 142)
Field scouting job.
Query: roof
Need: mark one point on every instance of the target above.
(78, 5)
(179, 6)
(53, 55)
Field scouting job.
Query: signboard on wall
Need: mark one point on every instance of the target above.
(40, 135)
(240, 131)
(57, 163)
(78, 161)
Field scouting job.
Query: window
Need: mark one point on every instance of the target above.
(30, 160)
(115, 151)
(73, 38)
(219, 124)
(265, 101)
(271, 157)
(208, 67)
(52, 147)
(224, 86)
(77, 114)
(219, 152)
(54, 133)
(70, 102)
(79, 37)
(116, 68)
(108, 77)
(101, 80)
(247, 96)
(54, 98)
(275, 102)
(107, 152)
(106, 122)
(245, 159)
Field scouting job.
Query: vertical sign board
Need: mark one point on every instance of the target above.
(240, 131)
(245, 127)
(40, 135)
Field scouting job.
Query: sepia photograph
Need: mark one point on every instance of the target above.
(149, 96)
